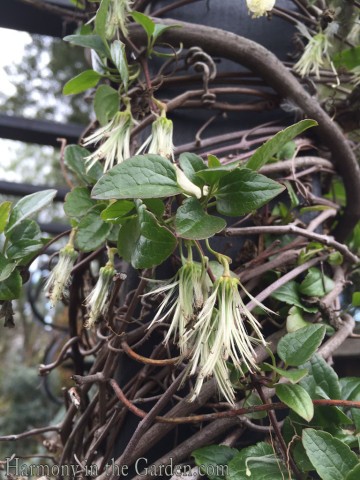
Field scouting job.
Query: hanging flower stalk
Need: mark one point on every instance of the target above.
(117, 17)
(97, 302)
(59, 279)
(115, 138)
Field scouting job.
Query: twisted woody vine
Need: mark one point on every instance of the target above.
(231, 338)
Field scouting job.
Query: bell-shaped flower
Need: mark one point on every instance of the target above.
(117, 17)
(187, 185)
(115, 138)
(59, 279)
(97, 302)
(160, 141)
(315, 54)
(259, 8)
(220, 334)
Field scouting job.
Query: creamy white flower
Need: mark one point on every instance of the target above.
(259, 8)
(59, 279)
(185, 295)
(220, 334)
(186, 184)
(117, 17)
(316, 52)
(116, 141)
(96, 302)
(161, 139)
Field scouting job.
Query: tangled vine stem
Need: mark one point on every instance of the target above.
(221, 43)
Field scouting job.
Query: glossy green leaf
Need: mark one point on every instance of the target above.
(80, 83)
(143, 242)
(323, 376)
(27, 206)
(6, 268)
(212, 176)
(331, 458)
(94, 42)
(264, 153)
(5, 208)
(298, 347)
(101, 18)
(316, 284)
(78, 202)
(193, 223)
(257, 462)
(289, 294)
(25, 240)
(92, 231)
(118, 56)
(190, 165)
(295, 320)
(212, 459)
(117, 210)
(74, 157)
(160, 29)
(296, 398)
(142, 176)
(145, 21)
(10, 289)
(294, 376)
(106, 103)
(213, 162)
(155, 205)
(243, 191)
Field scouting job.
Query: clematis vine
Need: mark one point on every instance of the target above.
(97, 302)
(59, 279)
(115, 138)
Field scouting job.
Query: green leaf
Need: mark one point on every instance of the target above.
(296, 398)
(355, 299)
(298, 347)
(213, 459)
(74, 158)
(301, 459)
(349, 58)
(250, 401)
(212, 176)
(323, 376)
(117, 210)
(10, 289)
(101, 18)
(257, 462)
(316, 284)
(27, 206)
(78, 202)
(335, 258)
(193, 223)
(160, 29)
(5, 208)
(118, 56)
(92, 231)
(25, 240)
(350, 388)
(289, 294)
(81, 82)
(354, 474)
(6, 268)
(143, 242)
(293, 375)
(146, 22)
(88, 41)
(106, 103)
(155, 205)
(190, 164)
(243, 191)
(264, 153)
(331, 458)
(295, 320)
(286, 151)
(142, 176)
(213, 162)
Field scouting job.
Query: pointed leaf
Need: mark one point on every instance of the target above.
(92, 231)
(101, 18)
(82, 82)
(190, 164)
(316, 284)
(74, 158)
(142, 176)
(323, 376)
(94, 42)
(297, 399)
(298, 347)
(6, 268)
(264, 153)
(10, 289)
(143, 242)
(332, 459)
(78, 202)
(146, 22)
(27, 206)
(293, 376)
(118, 56)
(5, 208)
(193, 223)
(243, 191)
(117, 210)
